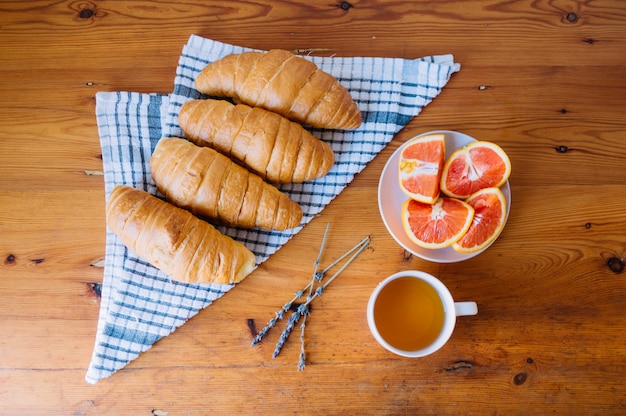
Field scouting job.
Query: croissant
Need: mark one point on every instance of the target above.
(209, 184)
(184, 247)
(282, 82)
(273, 147)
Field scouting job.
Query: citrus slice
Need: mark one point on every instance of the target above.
(437, 225)
(474, 167)
(420, 165)
(489, 216)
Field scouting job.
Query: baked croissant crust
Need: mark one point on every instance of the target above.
(270, 145)
(284, 83)
(209, 184)
(172, 239)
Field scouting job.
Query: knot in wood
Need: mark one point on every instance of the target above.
(562, 149)
(344, 5)
(520, 378)
(616, 265)
(85, 13)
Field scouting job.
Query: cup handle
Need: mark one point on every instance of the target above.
(465, 308)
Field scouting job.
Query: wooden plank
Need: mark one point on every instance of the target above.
(399, 389)
(535, 33)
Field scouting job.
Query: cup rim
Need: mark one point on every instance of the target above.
(449, 313)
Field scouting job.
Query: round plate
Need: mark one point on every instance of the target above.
(391, 198)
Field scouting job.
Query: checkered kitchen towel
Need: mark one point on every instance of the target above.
(140, 304)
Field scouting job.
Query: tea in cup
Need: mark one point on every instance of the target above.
(412, 313)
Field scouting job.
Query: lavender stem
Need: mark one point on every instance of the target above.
(317, 276)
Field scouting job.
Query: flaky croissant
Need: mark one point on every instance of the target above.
(273, 147)
(282, 82)
(184, 247)
(209, 184)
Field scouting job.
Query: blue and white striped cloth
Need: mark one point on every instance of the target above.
(140, 304)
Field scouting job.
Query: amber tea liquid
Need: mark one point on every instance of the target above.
(409, 314)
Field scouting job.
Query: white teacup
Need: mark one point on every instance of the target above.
(412, 313)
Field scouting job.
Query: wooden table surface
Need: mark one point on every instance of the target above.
(546, 80)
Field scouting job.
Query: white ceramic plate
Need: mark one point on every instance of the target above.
(391, 198)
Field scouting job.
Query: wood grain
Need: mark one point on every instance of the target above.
(543, 79)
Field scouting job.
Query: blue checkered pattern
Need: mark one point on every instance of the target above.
(140, 304)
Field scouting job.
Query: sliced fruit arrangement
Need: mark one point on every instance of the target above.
(420, 167)
(471, 213)
(474, 167)
(437, 225)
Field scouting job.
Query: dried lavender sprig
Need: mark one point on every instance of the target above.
(317, 276)
(302, 359)
(278, 315)
(291, 322)
(303, 308)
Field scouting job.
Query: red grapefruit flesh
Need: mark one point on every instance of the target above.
(489, 217)
(474, 167)
(437, 225)
(420, 166)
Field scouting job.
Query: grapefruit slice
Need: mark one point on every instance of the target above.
(474, 167)
(489, 216)
(437, 225)
(420, 165)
